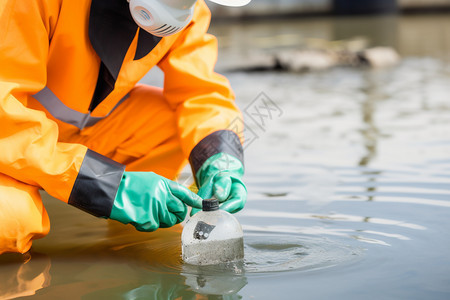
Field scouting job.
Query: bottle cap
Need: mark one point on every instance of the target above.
(210, 204)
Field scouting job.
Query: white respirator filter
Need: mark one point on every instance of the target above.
(162, 18)
(166, 17)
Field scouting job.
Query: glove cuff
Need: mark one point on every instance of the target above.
(222, 141)
(96, 185)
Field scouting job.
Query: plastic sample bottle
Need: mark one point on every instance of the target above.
(212, 236)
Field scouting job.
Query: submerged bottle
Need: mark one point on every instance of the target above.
(212, 236)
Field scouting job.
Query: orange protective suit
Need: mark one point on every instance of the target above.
(72, 116)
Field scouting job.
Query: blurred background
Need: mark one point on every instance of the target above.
(410, 27)
(264, 8)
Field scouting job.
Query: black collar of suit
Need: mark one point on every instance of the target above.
(111, 31)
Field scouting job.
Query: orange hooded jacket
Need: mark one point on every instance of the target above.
(65, 65)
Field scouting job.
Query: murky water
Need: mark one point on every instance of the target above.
(215, 252)
(348, 172)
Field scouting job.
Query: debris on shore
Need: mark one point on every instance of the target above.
(318, 59)
(320, 55)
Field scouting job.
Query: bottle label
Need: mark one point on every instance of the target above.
(202, 230)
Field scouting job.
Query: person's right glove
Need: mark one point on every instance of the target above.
(149, 201)
(221, 176)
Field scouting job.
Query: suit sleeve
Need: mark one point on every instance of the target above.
(209, 121)
(30, 151)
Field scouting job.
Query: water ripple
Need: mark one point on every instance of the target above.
(331, 217)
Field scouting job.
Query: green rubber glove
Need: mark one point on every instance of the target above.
(149, 201)
(220, 176)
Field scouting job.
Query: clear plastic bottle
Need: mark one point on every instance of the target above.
(212, 236)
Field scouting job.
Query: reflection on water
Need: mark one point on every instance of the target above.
(223, 279)
(349, 191)
(22, 276)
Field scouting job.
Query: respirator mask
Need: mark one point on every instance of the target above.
(166, 17)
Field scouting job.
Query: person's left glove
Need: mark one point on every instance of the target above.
(221, 176)
(149, 201)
